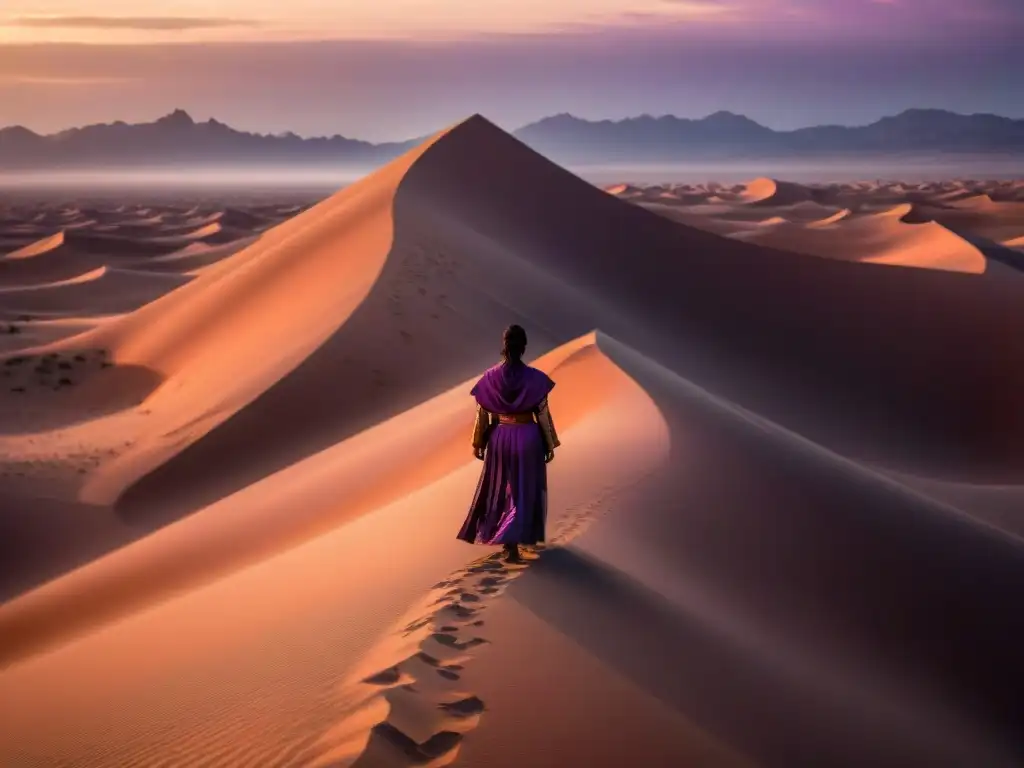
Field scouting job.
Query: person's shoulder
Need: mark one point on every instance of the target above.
(539, 374)
(494, 370)
(483, 381)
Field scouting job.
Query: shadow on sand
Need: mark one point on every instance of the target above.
(776, 717)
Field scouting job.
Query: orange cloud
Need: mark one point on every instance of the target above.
(59, 80)
(147, 23)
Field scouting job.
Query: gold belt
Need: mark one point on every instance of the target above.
(515, 418)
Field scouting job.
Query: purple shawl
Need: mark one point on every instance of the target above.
(512, 388)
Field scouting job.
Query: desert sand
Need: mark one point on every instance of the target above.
(958, 225)
(785, 524)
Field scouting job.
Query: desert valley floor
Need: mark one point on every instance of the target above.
(786, 523)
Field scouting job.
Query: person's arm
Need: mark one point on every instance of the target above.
(481, 426)
(547, 428)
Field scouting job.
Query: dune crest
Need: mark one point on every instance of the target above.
(881, 238)
(768, 192)
(37, 248)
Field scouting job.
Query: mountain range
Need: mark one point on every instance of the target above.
(177, 139)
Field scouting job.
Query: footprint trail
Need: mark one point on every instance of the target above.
(429, 713)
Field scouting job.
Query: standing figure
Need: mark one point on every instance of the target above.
(515, 438)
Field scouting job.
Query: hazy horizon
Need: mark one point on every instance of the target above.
(296, 178)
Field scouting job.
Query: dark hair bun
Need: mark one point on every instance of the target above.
(513, 343)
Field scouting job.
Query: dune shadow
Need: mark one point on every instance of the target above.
(41, 539)
(40, 392)
(746, 699)
(845, 564)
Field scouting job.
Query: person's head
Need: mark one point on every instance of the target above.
(513, 344)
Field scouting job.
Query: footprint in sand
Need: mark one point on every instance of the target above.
(417, 625)
(458, 611)
(451, 641)
(389, 676)
(437, 746)
(487, 567)
(463, 707)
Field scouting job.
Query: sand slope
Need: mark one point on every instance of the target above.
(877, 239)
(842, 216)
(266, 463)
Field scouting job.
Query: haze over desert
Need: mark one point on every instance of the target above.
(785, 519)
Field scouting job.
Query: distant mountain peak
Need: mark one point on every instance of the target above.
(179, 117)
(561, 118)
(725, 116)
(19, 131)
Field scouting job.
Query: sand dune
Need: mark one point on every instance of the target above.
(105, 290)
(231, 536)
(190, 235)
(985, 217)
(968, 230)
(835, 218)
(703, 220)
(193, 257)
(61, 262)
(39, 247)
(116, 243)
(882, 239)
(85, 277)
(769, 192)
(610, 596)
(30, 334)
(620, 190)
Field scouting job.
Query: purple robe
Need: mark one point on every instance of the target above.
(510, 504)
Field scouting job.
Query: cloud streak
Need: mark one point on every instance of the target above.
(69, 80)
(700, 6)
(139, 23)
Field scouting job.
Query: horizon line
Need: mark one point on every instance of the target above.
(667, 115)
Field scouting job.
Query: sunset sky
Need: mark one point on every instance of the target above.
(391, 69)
